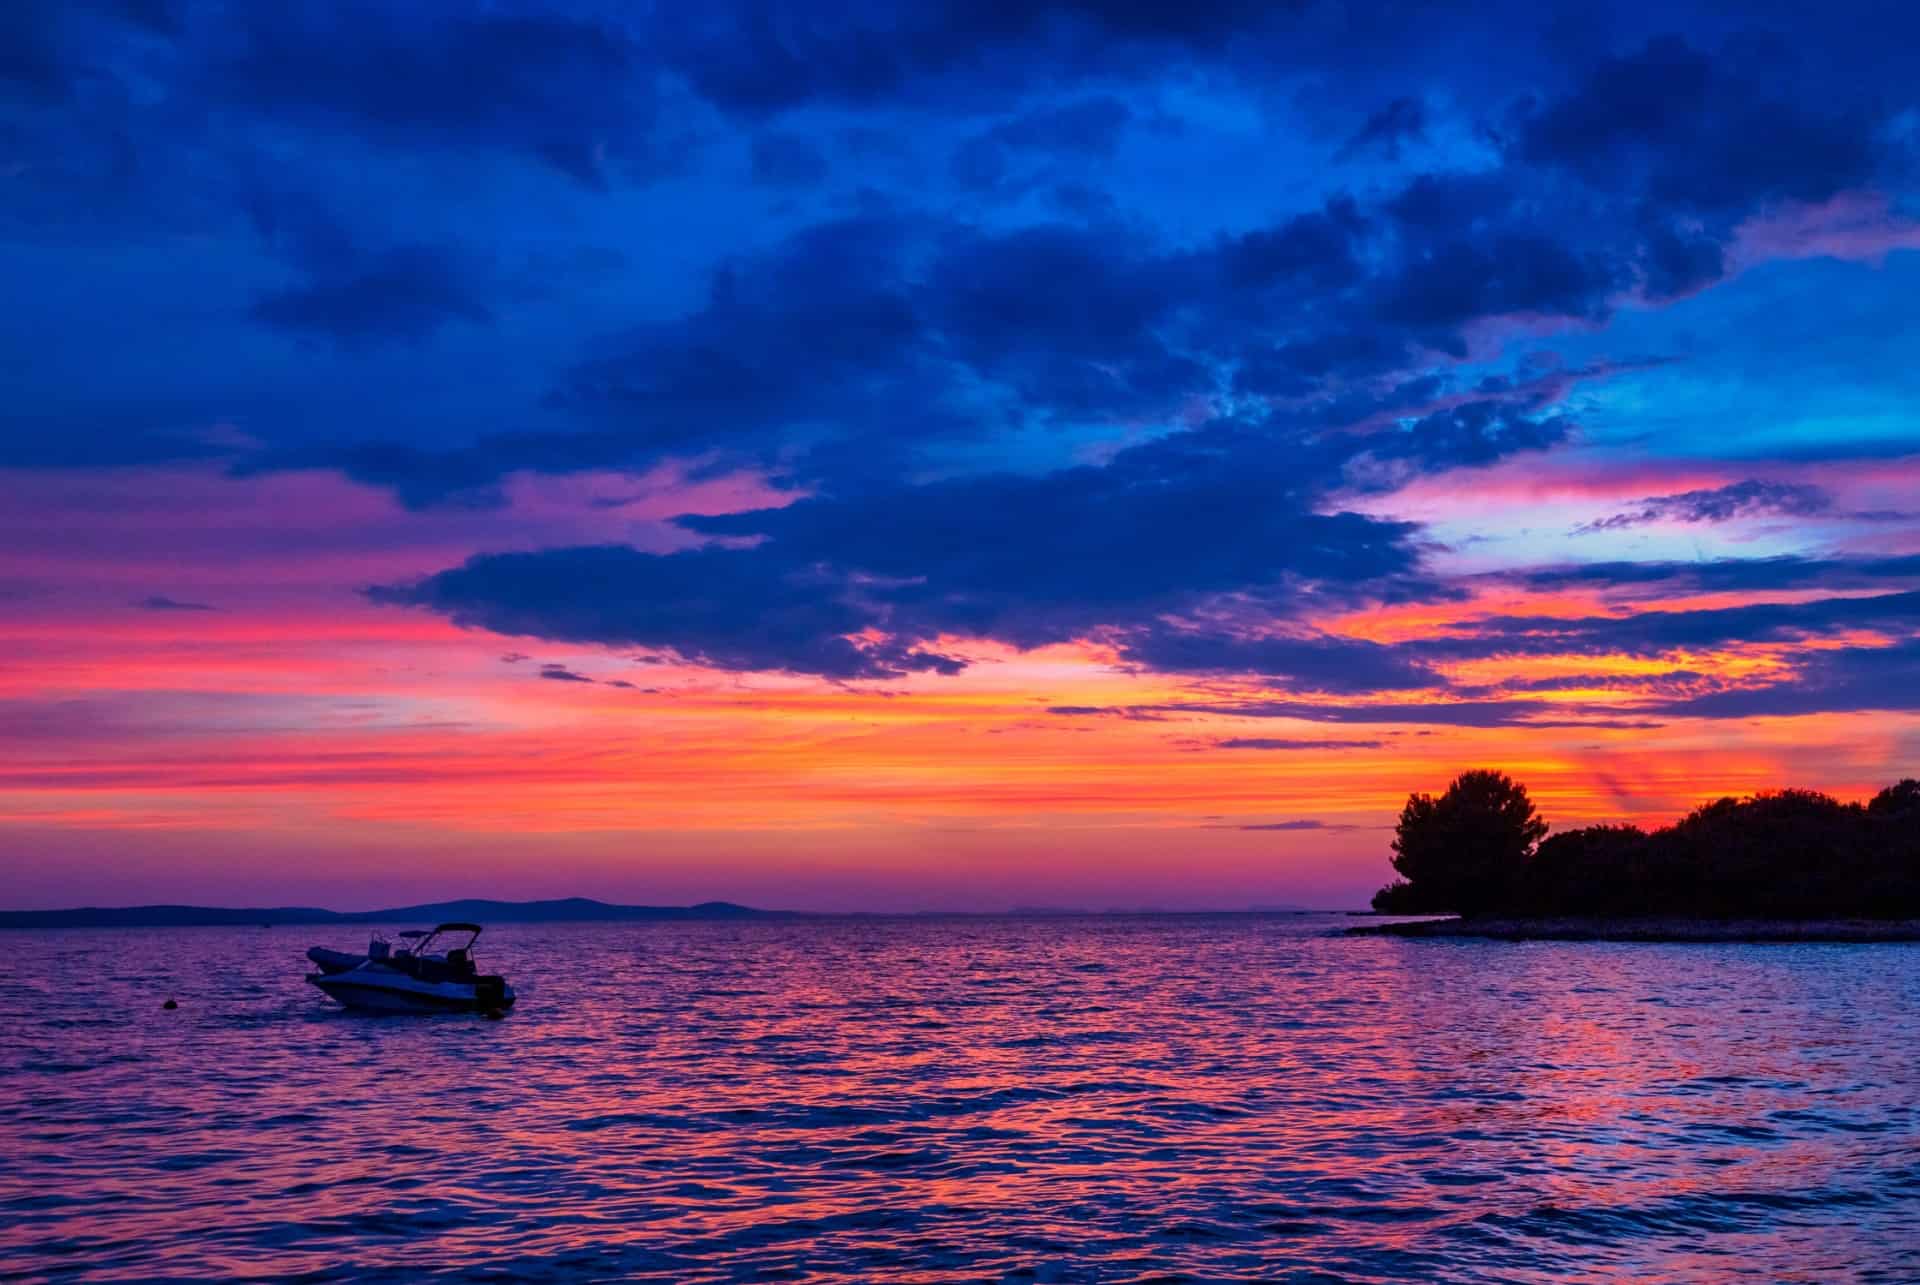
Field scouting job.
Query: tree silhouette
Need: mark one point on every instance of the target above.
(1593, 869)
(1778, 854)
(1464, 851)
(1899, 799)
(1786, 854)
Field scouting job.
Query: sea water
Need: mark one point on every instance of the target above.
(1236, 1097)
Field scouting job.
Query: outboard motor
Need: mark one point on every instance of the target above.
(490, 993)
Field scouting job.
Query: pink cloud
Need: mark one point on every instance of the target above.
(199, 533)
(1860, 227)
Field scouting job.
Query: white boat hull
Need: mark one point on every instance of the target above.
(335, 961)
(386, 990)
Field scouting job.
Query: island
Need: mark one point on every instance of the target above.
(472, 910)
(1781, 865)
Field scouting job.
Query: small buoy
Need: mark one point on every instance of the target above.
(171, 1004)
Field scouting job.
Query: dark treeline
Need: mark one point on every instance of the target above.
(1481, 849)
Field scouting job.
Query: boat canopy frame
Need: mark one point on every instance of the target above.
(421, 938)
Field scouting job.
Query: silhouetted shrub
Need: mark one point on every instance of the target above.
(1900, 799)
(1893, 829)
(1402, 898)
(1466, 850)
(1782, 854)
(1594, 870)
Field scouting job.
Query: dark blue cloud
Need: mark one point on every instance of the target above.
(862, 343)
(1077, 320)
(1737, 500)
(1107, 711)
(1338, 665)
(569, 92)
(1672, 682)
(49, 49)
(1784, 572)
(1438, 713)
(1723, 504)
(1320, 250)
(1304, 824)
(1027, 561)
(1089, 125)
(873, 337)
(788, 160)
(789, 346)
(1472, 435)
(768, 617)
(1304, 366)
(1504, 274)
(1227, 520)
(874, 342)
(32, 64)
(1159, 524)
(1711, 134)
(1292, 743)
(160, 602)
(1402, 121)
(418, 479)
(1030, 562)
(758, 57)
(1095, 341)
(1825, 679)
(1019, 153)
(1657, 632)
(406, 293)
(1678, 260)
(1840, 680)
(159, 17)
(1193, 523)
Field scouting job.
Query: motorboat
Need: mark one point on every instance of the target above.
(416, 974)
(339, 961)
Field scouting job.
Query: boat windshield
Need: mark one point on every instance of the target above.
(459, 937)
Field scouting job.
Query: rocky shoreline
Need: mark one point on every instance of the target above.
(1583, 928)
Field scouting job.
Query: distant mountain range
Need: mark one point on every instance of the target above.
(478, 911)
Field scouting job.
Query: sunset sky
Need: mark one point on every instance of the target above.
(936, 456)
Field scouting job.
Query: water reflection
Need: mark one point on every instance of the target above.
(965, 1099)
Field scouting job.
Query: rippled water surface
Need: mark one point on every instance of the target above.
(1070, 1099)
